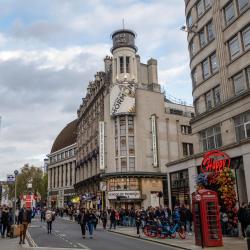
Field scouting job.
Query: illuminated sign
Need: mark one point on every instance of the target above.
(101, 146)
(126, 194)
(122, 99)
(215, 161)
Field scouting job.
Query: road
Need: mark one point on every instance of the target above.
(66, 234)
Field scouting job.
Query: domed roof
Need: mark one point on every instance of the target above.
(66, 137)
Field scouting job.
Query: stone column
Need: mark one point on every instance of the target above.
(64, 174)
(73, 172)
(49, 178)
(60, 175)
(69, 172)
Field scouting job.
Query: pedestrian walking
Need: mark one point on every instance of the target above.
(104, 218)
(112, 219)
(5, 219)
(138, 222)
(10, 222)
(49, 217)
(82, 220)
(132, 217)
(241, 217)
(90, 222)
(1, 225)
(189, 219)
(24, 218)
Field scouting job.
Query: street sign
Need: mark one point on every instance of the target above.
(10, 178)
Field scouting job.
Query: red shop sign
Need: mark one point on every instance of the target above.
(215, 161)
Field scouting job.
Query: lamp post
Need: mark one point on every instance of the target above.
(16, 173)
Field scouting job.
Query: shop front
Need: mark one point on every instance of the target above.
(133, 190)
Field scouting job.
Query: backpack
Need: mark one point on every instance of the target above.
(48, 216)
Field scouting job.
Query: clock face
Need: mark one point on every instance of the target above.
(120, 39)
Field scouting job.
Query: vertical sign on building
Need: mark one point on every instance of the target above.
(101, 146)
(154, 140)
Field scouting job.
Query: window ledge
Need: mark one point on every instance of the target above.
(239, 56)
(235, 18)
(200, 83)
(221, 106)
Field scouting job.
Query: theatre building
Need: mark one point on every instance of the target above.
(127, 131)
(219, 42)
(61, 167)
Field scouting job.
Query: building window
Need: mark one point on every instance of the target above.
(127, 64)
(229, 12)
(242, 126)
(200, 8)
(246, 38)
(124, 164)
(116, 126)
(121, 64)
(209, 100)
(123, 125)
(234, 47)
(189, 20)
(117, 165)
(211, 138)
(188, 149)
(210, 31)
(186, 129)
(131, 164)
(123, 146)
(131, 145)
(217, 100)
(243, 4)
(179, 183)
(192, 47)
(194, 77)
(116, 146)
(214, 63)
(205, 69)
(203, 40)
(239, 85)
(130, 124)
(207, 3)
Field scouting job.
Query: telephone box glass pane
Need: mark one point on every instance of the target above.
(197, 225)
(213, 227)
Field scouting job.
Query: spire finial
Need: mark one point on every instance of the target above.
(123, 26)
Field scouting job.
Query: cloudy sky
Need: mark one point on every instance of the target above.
(49, 50)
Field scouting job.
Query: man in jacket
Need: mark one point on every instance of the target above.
(241, 217)
(112, 219)
(24, 219)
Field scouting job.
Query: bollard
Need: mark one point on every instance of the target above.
(248, 237)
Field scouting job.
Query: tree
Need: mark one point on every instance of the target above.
(30, 174)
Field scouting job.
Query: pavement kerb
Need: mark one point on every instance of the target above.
(149, 239)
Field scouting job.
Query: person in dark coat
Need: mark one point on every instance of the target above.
(10, 221)
(138, 221)
(5, 220)
(82, 219)
(112, 219)
(241, 215)
(104, 218)
(24, 219)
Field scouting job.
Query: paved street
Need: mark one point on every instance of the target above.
(67, 235)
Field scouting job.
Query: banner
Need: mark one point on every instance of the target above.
(126, 194)
(101, 146)
(122, 99)
(154, 140)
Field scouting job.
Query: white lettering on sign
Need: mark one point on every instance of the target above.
(122, 99)
(101, 145)
(128, 194)
(154, 141)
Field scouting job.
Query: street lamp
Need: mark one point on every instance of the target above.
(15, 173)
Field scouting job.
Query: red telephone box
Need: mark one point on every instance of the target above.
(206, 218)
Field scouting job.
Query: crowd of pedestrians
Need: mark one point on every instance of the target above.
(6, 220)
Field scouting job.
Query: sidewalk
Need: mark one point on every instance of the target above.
(188, 244)
(12, 244)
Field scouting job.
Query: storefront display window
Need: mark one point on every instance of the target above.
(179, 182)
(129, 184)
